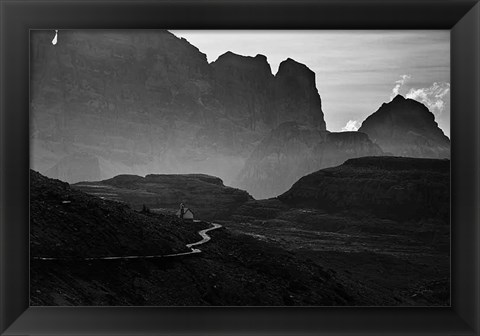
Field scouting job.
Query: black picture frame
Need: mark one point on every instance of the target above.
(17, 17)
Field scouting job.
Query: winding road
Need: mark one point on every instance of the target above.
(202, 233)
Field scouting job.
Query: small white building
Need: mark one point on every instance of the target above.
(187, 214)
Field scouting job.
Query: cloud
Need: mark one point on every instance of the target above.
(434, 97)
(352, 125)
(398, 85)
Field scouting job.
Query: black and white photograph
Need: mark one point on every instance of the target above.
(240, 168)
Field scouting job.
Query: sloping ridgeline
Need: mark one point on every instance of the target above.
(66, 222)
(205, 195)
(389, 187)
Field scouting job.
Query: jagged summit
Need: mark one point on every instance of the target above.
(145, 101)
(398, 98)
(231, 55)
(295, 79)
(295, 76)
(256, 63)
(248, 88)
(406, 127)
(290, 65)
(403, 105)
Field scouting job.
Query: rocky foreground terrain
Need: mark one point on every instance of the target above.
(233, 268)
(68, 223)
(371, 232)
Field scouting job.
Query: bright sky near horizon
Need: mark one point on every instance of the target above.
(356, 71)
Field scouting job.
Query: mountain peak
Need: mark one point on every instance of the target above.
(291, 66)
(398, 98)
(406, 127)
(257, 64)
(230, 55)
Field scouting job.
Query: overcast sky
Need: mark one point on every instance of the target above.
(356, 71)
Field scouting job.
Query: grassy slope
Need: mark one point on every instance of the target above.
(233, 269)
(205, 195)
(67, 222)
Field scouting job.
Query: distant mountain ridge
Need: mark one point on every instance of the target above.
(292, 150)
(107, 103)
(402, 127)
(143, 102)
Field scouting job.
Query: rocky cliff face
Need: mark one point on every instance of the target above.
(296, 94)
(244, 85)
(205, 195)
(292, 151)
(405, 127)
(142, 102)
(248, 88)
(388, 187)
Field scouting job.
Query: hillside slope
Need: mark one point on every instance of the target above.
(66, 222)
(390, 187)
(205, 195)
(232, 269)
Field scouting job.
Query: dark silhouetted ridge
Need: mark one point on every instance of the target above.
(390, 187)
(405, 127)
